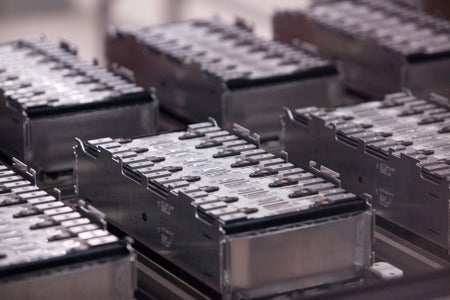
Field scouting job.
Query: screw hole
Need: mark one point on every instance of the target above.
(360, 179)
(144, 217)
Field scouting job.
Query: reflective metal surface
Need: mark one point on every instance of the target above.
(48, 96)
(383, 46)
(49, 250)
(396, 150)
(207, 68)
(217, 206)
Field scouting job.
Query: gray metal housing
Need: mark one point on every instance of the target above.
(241, 249)
(49, 250)
(38, 124)
(382, 46)
(104, 279)
(205, 68)
(395, 150)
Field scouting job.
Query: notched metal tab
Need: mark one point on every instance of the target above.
(122, 72)
(245, 134)
(24, 170)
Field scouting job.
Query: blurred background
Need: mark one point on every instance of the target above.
(83, 22)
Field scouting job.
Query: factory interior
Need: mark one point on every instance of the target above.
(192, 149)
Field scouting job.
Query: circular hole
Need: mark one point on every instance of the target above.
(360, 179)
(144, 217)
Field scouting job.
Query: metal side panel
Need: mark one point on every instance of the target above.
(390, 248)
(298, 256)
(12, 131)
(111, 278)
(259, 108)
(400, 193)
(423, 78)
(372, 81)
(53, 137)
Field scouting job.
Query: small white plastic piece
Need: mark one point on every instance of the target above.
(386, 270)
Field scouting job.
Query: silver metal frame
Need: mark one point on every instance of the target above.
(233, 264)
